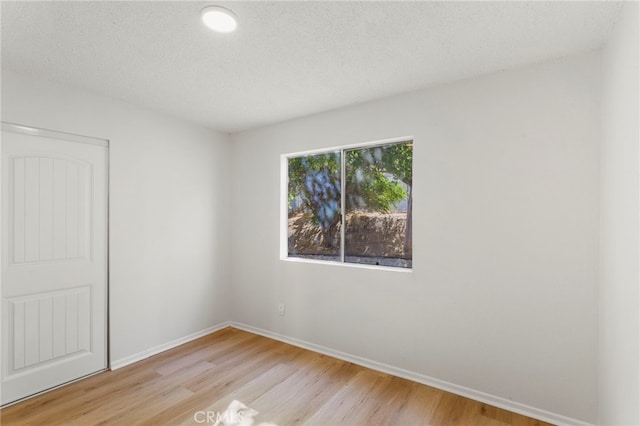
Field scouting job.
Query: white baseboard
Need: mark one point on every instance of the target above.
(476, 395)
(166, 346)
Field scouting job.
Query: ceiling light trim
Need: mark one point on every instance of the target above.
(219, 19)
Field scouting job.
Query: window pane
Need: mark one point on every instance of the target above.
(378, 205)
(314, 194)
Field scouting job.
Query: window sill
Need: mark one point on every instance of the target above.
(347, 265)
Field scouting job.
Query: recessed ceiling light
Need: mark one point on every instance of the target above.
(219, 19)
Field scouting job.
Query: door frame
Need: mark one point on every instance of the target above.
(70, 137)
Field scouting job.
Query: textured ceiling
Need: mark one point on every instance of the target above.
(287, 59)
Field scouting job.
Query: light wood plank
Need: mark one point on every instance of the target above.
(286, 384)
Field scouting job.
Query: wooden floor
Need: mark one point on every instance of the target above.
(286, 384)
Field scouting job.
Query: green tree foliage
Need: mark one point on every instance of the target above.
(396, 160)
(315, 180)
(372, 183)
(373, 176)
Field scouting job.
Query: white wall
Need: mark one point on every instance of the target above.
(169, 234)
(619, 355)
(503, 295)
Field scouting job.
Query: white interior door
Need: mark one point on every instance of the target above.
(54, 259)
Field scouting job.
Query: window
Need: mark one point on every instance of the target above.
(351, 205)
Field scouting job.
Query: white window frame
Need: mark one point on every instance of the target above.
(284, 205)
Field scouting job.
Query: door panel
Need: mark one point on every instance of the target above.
(52, 204)
(54, 239)
(49, 326)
